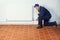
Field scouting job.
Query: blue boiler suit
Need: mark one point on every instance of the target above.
(45, 15)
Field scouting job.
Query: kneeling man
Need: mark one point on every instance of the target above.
(45, 15)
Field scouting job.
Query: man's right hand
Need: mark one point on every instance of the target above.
(37, 19)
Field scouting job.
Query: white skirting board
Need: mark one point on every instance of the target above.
(18, 22)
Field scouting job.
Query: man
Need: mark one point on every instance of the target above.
(45, 15)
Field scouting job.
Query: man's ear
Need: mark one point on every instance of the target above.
(34, 7)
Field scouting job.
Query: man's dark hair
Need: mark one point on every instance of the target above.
(36, 5)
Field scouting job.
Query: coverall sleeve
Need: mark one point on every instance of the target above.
(41, 13)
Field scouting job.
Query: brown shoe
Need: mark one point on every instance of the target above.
(55, 23)
(39, 27)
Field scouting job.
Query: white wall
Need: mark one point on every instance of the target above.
(2, 11)
(19, 10)
(15, 9)
(53, 6)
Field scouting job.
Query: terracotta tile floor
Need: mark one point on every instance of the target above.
(28, 32)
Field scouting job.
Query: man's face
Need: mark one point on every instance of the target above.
(37, 7)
